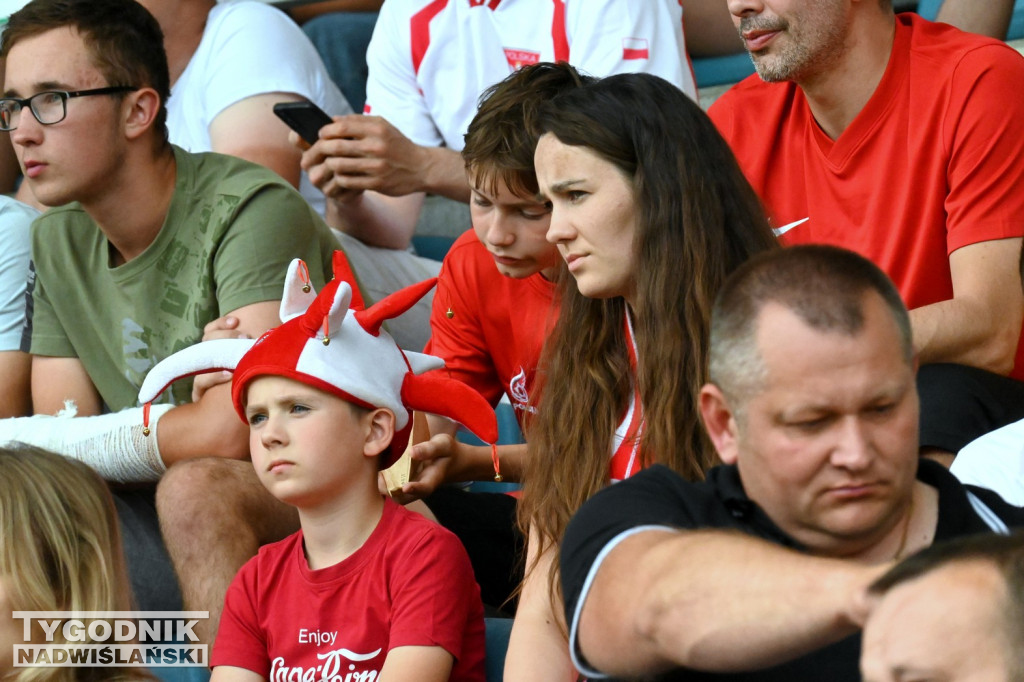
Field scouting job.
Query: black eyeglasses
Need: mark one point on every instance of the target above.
(48, 107)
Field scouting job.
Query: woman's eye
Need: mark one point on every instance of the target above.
(536, 215)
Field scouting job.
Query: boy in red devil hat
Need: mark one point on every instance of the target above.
(365, 590)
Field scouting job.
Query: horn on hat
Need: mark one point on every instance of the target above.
(208, 356)
(394, 305)
(437, 394)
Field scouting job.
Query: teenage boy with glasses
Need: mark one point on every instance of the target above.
(145, 245)
(50, 106)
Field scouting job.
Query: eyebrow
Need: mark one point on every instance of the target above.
(540, 203)
(522, 203)
(40, 87)
(293, 397)
(565, 184)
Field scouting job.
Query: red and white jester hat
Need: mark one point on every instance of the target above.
(325, 344)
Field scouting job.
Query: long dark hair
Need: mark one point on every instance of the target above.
(697, 219)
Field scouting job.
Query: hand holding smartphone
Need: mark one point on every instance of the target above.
(305, 118)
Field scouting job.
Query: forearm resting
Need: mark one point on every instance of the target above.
(475, 463)
(714, 601)
(208, 428)
(120, 446)
(962, 332)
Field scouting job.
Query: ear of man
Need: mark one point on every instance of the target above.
(720, 422)
(140, 110)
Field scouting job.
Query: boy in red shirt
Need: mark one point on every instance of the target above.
(365, 588)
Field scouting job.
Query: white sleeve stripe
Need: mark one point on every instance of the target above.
(577, 658)
(987, 515)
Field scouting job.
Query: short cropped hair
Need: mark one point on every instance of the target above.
(124, 39)
(823, 285)
(502, 137)
(1005, 553)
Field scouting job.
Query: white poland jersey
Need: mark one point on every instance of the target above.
(429, 60)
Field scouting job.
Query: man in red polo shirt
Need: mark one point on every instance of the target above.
(903, 140)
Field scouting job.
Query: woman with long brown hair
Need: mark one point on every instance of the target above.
(651, 213)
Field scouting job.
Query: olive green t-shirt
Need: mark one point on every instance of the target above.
(230, 232)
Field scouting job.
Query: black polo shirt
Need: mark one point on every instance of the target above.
(658, 497)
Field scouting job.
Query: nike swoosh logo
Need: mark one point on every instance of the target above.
(779, 231)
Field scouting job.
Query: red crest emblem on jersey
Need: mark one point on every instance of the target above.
(635, 48)
(520, 58)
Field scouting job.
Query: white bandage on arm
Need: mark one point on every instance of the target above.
(115, 445)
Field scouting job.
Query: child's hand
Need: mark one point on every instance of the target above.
(432, 457)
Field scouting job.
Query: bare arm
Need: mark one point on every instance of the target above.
(426, 663)
(443, 459)
(55, 380)
(210, 427)
(472, 462)
(980, 325)
(374, 218)
(16, 396)
(709, 29)
(715, 601)
(375, 177)
(990, 18)
(249, 130)
(537, 649)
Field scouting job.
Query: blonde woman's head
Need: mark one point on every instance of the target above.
(60, 550)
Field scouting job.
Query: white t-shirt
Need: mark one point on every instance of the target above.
(429, 60)
(995, 461)
(15, 218)
(248, 49)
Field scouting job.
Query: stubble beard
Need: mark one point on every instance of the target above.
(803, 54)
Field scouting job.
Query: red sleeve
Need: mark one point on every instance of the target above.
(241, 641)
(984, 131)
(459, 339)
(435, 598)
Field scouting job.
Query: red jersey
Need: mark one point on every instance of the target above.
(410, 584)
(488, 328)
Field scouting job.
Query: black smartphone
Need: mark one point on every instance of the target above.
(305, 118)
